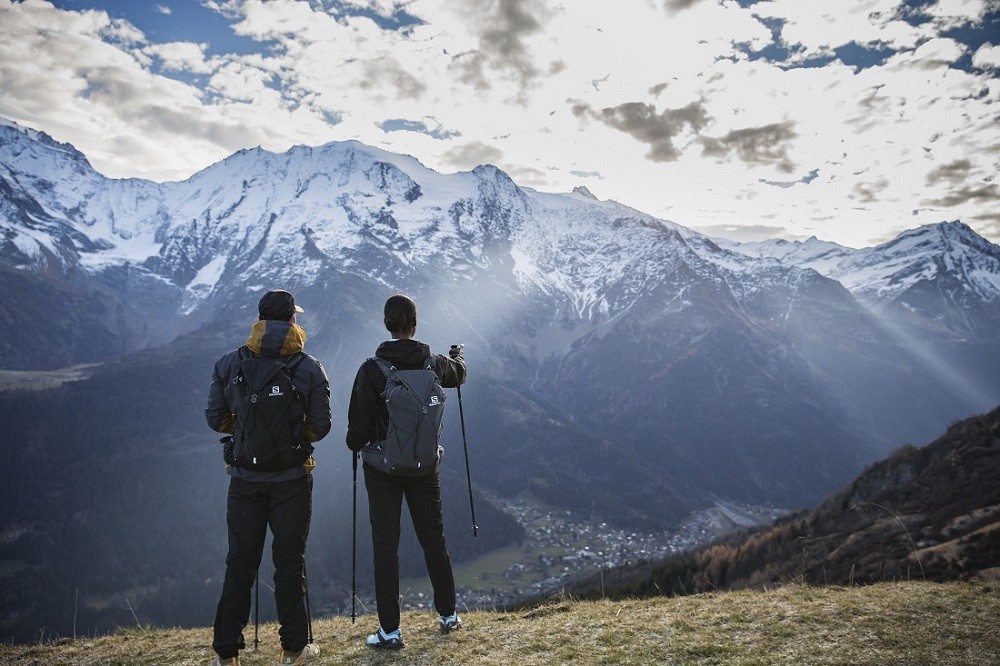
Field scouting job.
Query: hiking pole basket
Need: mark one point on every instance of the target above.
(354, 539)
(465, 446)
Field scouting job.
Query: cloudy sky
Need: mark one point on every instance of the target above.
(850, 120)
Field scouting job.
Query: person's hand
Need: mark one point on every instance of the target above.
(456, 352)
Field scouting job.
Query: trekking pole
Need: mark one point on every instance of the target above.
(465, 445)
(354, 539)
(309, 621)
(256, 611)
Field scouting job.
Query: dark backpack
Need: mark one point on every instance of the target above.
(414, 400)
(269, 413)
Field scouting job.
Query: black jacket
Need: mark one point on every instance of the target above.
(274, 339)
(369, 384)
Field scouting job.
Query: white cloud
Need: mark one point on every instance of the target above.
(238, 81)
(86, 79)
(122, 33)
(180, 56)
(935, 53)
(501, 88)
(818, 26)
(987, 56)
(163, 9)
(954, 13)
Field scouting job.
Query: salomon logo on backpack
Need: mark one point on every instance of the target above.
(269, 414)
(414, 401)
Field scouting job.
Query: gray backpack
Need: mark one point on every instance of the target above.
(414, 400)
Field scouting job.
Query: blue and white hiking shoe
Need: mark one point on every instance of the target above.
(449, 622)
(383, 641)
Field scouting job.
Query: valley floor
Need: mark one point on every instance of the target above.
(891, 623)
(561, 548)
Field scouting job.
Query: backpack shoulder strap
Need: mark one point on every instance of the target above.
(388, 369)
(242, 354)
(291, 367)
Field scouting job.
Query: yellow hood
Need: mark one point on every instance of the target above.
(276, 338)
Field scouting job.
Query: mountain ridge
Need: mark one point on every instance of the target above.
(176, 229)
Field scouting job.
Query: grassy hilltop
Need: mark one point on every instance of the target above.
(890, 623)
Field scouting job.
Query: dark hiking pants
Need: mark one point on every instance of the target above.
(286, 507)
(423, 498)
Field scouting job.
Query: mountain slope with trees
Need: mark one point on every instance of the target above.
(931, 513)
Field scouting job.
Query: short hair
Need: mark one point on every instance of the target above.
(400, 314)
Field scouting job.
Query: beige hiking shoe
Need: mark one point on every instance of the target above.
(308, 654)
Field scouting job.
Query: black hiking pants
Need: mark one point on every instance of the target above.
(423, 498)
(285, 506)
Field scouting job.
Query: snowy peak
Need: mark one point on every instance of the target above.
(795, 253)
(11, 133)
(948, 251)
(389, 179)
(942, 239)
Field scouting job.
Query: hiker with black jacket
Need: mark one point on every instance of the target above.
(273, 400)
(398, 364)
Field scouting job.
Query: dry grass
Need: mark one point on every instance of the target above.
(892, 623)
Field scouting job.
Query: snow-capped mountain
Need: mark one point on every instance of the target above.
(950, 259)
(815, 253)
(336, 204)
(316, 207)
(767, 371)
(949, 250)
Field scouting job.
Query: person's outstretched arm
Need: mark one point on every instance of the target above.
(451, 368)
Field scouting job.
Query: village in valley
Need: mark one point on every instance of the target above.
(561, 547)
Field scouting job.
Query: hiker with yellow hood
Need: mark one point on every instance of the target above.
(273, 401)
